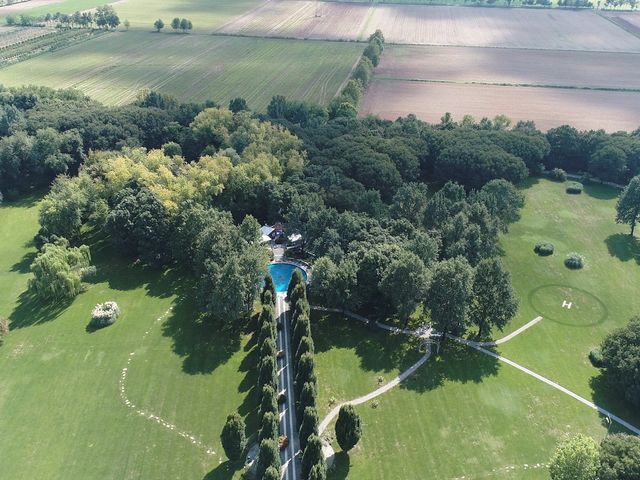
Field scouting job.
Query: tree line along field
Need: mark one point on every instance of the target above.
(60, 382)
(115, 67)
(207, 14)
(437, 25)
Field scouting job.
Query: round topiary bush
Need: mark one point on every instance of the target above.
(104, 314)
(544, 249)
(559, 175)
(574, 261)
(596, 358)
(575, 188)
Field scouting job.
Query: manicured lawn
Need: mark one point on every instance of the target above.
(114, 68)
(465, 415)
(62, 412)
(462, 414)
(352, 360)
(604, 294)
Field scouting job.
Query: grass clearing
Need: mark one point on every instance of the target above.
(462, 414)
(603, 294)
(114, 68)
(61, 383)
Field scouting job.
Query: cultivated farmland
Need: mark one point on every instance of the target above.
(548, 107)
(438, 25)
(511, 67)
(114, 67)
(303, 19)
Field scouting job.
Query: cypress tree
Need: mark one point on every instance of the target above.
(269, 427)
(268, 287)
(302, 329)
(296, 279)
(269, 401)
(268, 456)
(268, 348)
(233, 438)
(348, 428)
(308, 398)
(267, 373)
(312, 455)
(309, 425)
(319, 471)
(299, 293)
(305, 346)
(267, 332)
(271, 474)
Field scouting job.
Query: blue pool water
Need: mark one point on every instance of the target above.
(282, 273)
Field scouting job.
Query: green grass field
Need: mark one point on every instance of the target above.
(114, 68)
(59, 383)
(603, 294)
(465, 415)
(206, 15)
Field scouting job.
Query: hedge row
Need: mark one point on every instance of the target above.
(305, 383)
(269, 455)
(348, 102)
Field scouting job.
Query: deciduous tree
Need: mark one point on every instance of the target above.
(576, 458)
(628, 206)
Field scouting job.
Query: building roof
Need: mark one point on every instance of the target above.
(266, 230)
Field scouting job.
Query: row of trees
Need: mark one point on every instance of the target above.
(305, 380)
(183, 24)
(105, 17)
(580, 457)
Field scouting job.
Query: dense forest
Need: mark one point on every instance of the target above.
(400, 206)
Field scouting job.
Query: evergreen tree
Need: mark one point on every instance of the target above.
(308, 426)
(312, 455)
(268, 456)
(269, 427)
(267, 373)
(348, 428)
(296, 279)
(233, 438)
(307, 398)
(268, 401)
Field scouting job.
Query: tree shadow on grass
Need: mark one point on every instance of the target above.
(601, 192)
(31, 310)
(340, 468)
(624, 247)
(24, 265)
(202, 343)
(455, 363)
(378, 351)
(224, 471)
(608, 397)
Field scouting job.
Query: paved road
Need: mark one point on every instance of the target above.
(288, 424)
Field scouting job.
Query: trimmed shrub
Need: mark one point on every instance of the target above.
(104, 314)
(574, 261)
(233, 438)
(559, 175)
(596, 358)
(574, 188)
(544, 249)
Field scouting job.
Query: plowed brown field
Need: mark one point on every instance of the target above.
(511, 66)
(548, 107)
(437, 25)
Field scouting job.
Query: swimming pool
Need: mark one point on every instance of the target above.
(282, 273)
